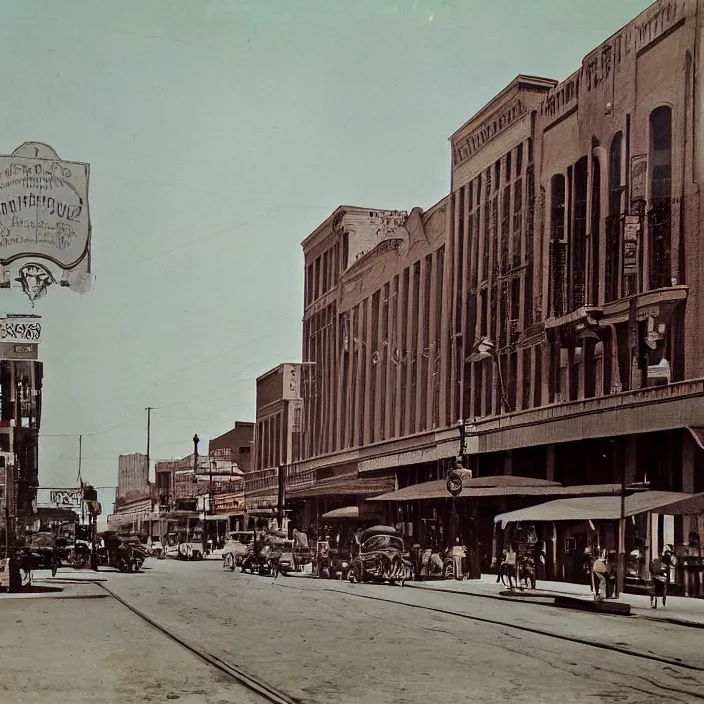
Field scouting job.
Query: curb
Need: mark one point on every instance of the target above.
(547, 599)
(60, 597)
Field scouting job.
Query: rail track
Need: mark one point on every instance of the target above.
(251, 682)
(630, 652)
(268, 693)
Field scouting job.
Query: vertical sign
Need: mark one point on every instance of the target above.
(639, 167)
(631, 234)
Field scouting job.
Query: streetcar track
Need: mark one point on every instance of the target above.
(673, 690)
(652, 657)
(250, 682)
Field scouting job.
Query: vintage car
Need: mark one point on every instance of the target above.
(380, 556)
(236, 548)
(263, 554)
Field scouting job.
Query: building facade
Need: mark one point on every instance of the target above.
(278, 433)
(594, 311)
(21, 380)
(132, 474)
(374, 337)
(236, 446)
(545, 316)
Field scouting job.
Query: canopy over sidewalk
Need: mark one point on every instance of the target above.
(500, 485)
(607, 508)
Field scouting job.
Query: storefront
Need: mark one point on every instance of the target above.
(580, 525)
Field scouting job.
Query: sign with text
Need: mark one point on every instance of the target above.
(20, 330)
(43, 207)
(639, 168)
(631, 232)
(69, 498)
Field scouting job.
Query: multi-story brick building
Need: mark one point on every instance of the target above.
(235, 446)
(374, 336)
(278, 434)
(602, 370)
(550, 306)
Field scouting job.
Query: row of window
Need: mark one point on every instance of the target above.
(492, 277)
(388, 369)
(576, 246)
(324, 272)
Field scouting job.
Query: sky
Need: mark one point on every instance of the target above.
(220, 133)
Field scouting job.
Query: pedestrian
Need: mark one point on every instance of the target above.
(660, 577)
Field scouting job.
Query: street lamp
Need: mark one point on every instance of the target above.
(483, 349)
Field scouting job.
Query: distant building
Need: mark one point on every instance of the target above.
(278, 428)
(132, 474)
(235, 446)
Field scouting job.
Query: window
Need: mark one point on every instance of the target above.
(613, 221)
(345, 250)
(519, 160)
(578, 246)
(558, 246)
(596, 229)
(517, 222)
(245, 450)
(659, 216)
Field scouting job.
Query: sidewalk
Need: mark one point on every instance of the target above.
(681, 610)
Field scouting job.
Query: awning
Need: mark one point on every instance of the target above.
(349, 485)
(224, 516)
(607, 508)
(500, 485)
(347, 512)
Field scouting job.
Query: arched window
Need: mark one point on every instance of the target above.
(659, 215)
(596, 230)
(558, 245)
(613, 221)
(578, 245)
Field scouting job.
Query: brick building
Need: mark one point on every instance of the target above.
(549, 307)
(602, 370)
(374, 335)
(235, 446)
(278, 433)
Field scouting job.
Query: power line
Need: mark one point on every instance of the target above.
(91, 435)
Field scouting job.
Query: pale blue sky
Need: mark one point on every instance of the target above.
(220, 133)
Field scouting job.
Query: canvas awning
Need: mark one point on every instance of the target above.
(347, 485)
(224, 516)
(347, 512)
(607, 508)
(502, 485)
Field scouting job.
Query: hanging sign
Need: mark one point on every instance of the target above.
(631, 233)
(66, 497)
(639, 168)
(43, 207)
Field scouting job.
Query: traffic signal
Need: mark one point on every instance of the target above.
(90, 494)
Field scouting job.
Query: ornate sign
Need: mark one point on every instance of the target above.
(639, 168)
(631, 232)
(35, 280)
(43, 207)
(20, 330)
(66, 497)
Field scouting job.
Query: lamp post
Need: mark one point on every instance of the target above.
(484, 348)
(196, 440)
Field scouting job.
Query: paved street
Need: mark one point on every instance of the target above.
(321, 641)
(76, 651)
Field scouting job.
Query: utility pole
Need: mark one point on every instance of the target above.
(80, 476)
(149, 410)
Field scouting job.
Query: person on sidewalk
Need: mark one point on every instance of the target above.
(660, 576)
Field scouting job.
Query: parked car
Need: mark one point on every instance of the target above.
(236, 548)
